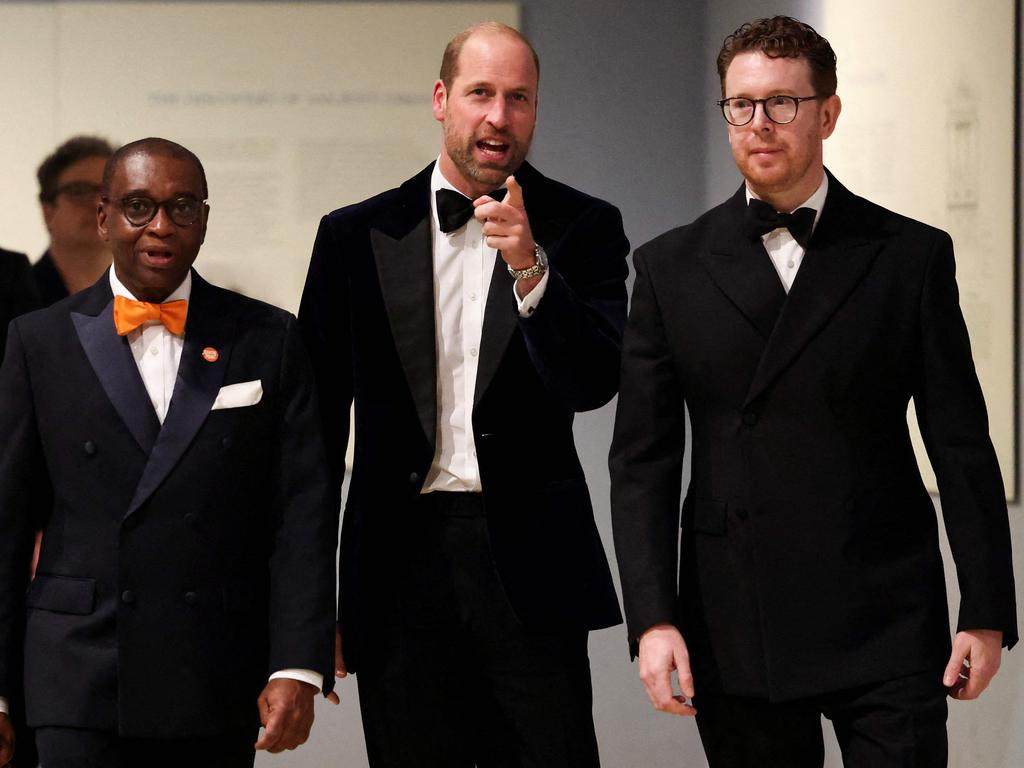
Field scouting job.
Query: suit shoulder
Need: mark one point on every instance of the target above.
(365, 211)
(255, 311)
(891, 223)
(560, 196)
(686, 239)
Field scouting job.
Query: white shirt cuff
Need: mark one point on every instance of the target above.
(302, 675)
(3, 706)
(529, 302)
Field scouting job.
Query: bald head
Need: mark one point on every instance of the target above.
(151, 146)
(452, 51)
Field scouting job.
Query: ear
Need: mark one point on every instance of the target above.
(49, 209)
(830, 109)
(440, 100)
(101, 221)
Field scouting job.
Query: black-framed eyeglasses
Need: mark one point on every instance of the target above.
(779, 109)
(78, 191)
(139, 210)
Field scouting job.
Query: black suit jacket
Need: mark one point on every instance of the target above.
(18, 293)
(182, 563)
(368, 314)
(810, 555)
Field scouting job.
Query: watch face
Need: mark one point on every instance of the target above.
(542, 257)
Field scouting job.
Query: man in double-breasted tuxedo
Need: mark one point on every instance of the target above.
(468, 327)
(163, 435)
(795, 329)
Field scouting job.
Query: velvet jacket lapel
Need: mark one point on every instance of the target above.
(111, 359)
(403, 251)
(838, 257)
(212, 322)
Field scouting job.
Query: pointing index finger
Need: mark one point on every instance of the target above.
(515, 193)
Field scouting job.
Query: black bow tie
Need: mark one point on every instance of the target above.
(454, 209)
(761, 219)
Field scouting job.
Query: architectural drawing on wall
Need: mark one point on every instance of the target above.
(928, 130)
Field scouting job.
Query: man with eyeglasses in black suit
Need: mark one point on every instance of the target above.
(69, 190)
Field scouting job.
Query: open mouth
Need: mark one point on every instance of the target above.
(157, 257)
(491, 148)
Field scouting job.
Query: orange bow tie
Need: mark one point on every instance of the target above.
(130, 314)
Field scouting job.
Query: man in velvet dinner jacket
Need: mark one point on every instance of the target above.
(471, 566)
(809, 581)
(188, 549)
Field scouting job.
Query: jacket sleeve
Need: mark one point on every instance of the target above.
(954, 424)
(304, 532)
(646, 462)
(24, 501)
(574, 337)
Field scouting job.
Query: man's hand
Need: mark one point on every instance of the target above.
(981, 649)
(340, 670)
(507, 228)
(286, 711)
(662, 649)
(6, 740)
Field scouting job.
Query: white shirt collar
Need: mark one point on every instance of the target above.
(815, 201)
(183, 291)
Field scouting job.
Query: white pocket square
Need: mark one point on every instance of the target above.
(239, 395)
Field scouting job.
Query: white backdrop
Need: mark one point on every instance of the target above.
(294, 109)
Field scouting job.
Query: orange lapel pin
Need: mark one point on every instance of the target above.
(211, 355)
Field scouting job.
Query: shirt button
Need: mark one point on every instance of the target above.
(473, 352)
(154, 350)
(472, 297)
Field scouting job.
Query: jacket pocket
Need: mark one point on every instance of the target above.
(62, 594)
(709, 516)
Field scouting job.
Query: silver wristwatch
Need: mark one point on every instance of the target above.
(539, 267)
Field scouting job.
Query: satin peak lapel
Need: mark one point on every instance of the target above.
(209, 324)
(405, 268)
(837, 259)
(111, 359)
(500, 320)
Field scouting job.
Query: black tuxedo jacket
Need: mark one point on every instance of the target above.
(368, 314)
(183, 563)
(810, 553)
(18, 293)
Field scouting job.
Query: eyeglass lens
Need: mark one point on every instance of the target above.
(780, 109)
(183, 211)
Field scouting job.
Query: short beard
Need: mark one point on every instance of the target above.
(487, 175)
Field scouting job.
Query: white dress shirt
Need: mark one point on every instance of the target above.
(157, 353)
(463, 264)
(785, 252)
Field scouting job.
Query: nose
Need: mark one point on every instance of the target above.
(161, 224)
(761, 121)
(497, 115)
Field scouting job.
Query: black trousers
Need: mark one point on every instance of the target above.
(84, 748)
(458, 681)
(898, 723)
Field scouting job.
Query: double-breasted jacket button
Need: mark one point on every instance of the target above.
(225, 442)
(190, 519)
(131, 522)
(414, 478)
(749, 418)
(90, 448)
(128, 597)
(742, 513)
(191, 598)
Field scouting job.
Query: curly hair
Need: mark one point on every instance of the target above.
(783, 37)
